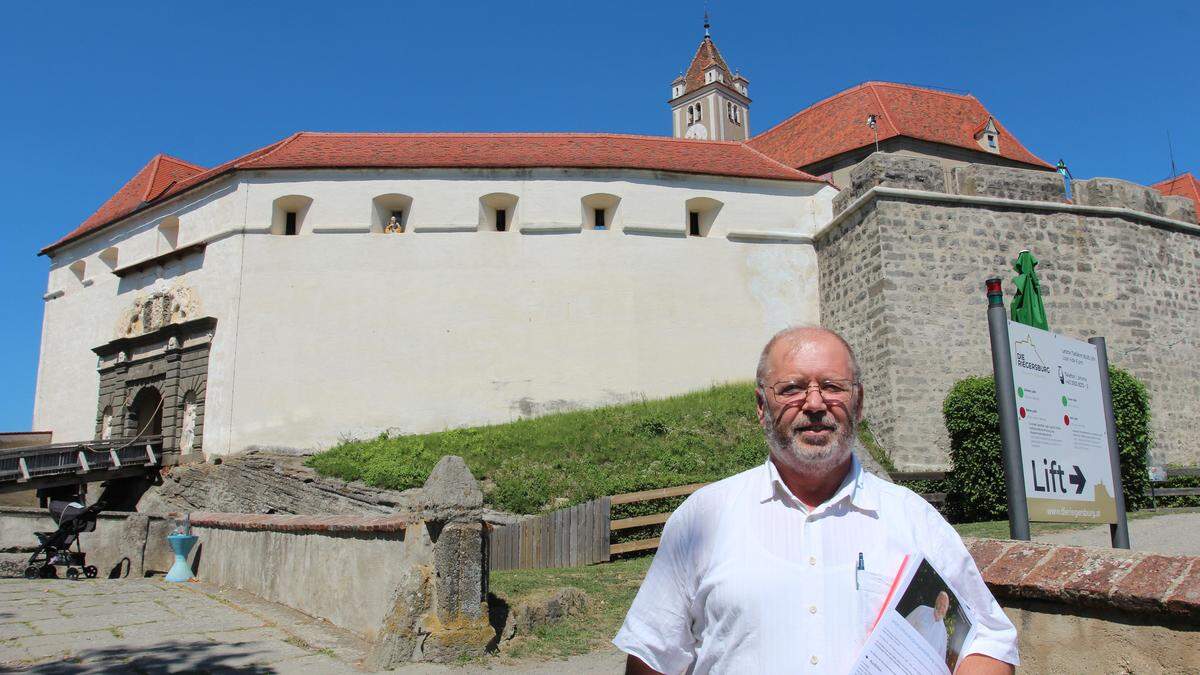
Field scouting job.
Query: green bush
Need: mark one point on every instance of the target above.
(977, 491)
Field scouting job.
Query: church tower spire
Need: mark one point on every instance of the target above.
(709, 101)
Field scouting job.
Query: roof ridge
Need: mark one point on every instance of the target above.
(510, 134)
(883, 109)
(905, 85)
(278, 146)
(153, 165)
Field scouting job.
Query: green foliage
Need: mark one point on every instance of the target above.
(567, 458)
(1131, 409)
(977, 490)
(867, 440)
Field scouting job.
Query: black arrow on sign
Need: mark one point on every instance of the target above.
(1077, 479)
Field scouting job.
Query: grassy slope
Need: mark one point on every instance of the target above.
(567, 458)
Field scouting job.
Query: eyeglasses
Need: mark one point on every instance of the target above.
(835, 391)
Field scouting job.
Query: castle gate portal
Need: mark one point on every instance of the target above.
(154, 383)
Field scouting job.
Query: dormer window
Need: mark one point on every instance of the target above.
(988, 136)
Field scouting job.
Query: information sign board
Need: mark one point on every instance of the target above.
(1062, 427)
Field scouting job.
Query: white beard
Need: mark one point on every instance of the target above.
(810, 460)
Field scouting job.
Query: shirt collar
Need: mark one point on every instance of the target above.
(853, 489)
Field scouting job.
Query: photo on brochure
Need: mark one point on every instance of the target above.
(932, 608)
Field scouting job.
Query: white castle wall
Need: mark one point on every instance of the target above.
(340, 331)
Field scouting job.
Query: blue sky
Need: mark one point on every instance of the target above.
(93, 90)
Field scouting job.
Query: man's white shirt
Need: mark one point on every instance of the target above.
(924, 619)
(747, 579)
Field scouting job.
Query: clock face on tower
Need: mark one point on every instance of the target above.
(698, 131)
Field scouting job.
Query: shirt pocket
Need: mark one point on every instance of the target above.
(872, 591)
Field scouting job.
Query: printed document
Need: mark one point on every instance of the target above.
(922, 627)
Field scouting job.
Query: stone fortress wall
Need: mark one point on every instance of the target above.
(902, 266)
(343, 330)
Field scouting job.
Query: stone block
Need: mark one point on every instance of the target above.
(1146, 584)
(451, 484)
(891, 170)
(986, 551)
(984, 180)
(1097, 579)
(1007, 574)
(541, 609)
(1049, 578)
(1177, 207)
(1118, 193)
(1185, 599)
(458, 572)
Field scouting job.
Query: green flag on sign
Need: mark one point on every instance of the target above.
(1027, 307)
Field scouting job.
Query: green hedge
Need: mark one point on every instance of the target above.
(977, 491)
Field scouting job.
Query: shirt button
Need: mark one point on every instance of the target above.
(812, 560)
(814, 660)
(812, 609)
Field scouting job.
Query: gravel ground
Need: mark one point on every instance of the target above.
(602, 662)
(1171, 534)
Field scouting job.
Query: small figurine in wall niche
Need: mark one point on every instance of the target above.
(393, 226)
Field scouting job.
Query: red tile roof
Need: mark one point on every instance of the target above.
(159, 175)
(706, 56)
(166, 177)
(838, 124)
(1184, 185)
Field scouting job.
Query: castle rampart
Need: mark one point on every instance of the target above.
(902, 266)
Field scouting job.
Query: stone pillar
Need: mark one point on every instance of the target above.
(440, 614)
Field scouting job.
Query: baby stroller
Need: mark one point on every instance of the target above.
(54, 548)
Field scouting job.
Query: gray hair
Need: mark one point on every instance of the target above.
(760, 375)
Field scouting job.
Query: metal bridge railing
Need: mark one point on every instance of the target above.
(57, 459)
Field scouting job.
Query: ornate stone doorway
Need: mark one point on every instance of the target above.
(154, 383)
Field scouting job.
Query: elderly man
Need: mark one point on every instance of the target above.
(930, 622)
(783, 568)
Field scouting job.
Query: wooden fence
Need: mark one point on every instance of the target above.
(642, 521)
(566, 538)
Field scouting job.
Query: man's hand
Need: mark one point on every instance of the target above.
(973, 664)
(636, 666)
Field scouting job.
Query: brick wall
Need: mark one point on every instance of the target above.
(1089, 610)
(902, 269)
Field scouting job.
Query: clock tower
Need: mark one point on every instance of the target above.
(709, 101)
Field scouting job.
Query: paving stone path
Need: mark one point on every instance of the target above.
(151, 626)
(1168, 534)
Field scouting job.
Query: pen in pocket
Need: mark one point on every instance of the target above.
(858, 569)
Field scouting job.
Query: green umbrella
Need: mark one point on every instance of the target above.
(1027, 307)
